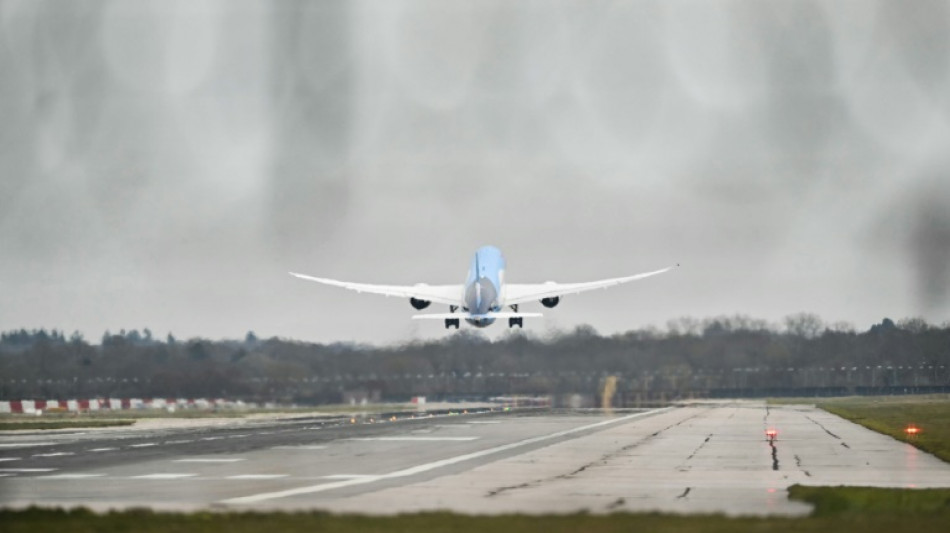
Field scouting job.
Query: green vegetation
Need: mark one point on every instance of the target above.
(836, 509)
(844, 502)
(7, 424)
(892, 415)
(716, 357)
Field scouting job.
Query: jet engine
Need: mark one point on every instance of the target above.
(550, 302)
(419, 304)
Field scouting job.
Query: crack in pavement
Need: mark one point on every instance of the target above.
(822, 427)
(685, 493)
(682, 466)
(798, 463)
(774, 454)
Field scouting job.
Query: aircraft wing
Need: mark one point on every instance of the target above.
(462, 314)
(520, 293)
(443, 294)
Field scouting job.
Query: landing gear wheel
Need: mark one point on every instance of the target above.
(512, 322)
(451, 322)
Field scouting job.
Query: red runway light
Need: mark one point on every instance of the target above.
(912, 430)
(771, 433)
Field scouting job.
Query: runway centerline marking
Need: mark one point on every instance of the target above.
(415, 439)
(257, 476)
(25, 444)
(143, 445)
(54, 454)
(210, 460)
(255, 498)
(25, 470)
(97, 450)
(71, 476)
(164, 476)
(2, 459)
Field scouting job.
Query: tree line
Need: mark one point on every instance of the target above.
(721, 356)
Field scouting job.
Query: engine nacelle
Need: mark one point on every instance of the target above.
(419, 304)
(550, 302)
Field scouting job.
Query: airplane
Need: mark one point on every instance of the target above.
(485, 294)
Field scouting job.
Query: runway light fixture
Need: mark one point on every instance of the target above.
(771, 433)
(912, 430)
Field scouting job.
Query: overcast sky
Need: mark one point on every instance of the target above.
(164, 164)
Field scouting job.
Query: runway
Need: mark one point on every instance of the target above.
(704, 457)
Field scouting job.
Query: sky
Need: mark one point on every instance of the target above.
(164, 164)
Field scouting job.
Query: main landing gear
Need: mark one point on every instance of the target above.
(519, 321)
(452, 322)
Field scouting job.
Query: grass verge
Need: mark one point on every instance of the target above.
(836, 509)
(10, 425)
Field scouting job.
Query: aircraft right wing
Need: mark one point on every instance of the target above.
(443, 294)
(520, 293)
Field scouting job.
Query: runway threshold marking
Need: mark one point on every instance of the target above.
(255, 498)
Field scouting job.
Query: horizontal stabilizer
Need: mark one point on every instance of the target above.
(501, 314)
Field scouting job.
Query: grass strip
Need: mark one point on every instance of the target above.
(869, 510)
(62, 424)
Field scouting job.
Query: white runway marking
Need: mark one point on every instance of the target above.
(2, 459)
(210, 460)
(257, 476)
(103, 449)
(186, 441)
(163, 476)
(143, 445)
(25, 444)
(71, 476)
(416, 439)
(255, 498)
(26, 470)
(349, 476)
(54, 454)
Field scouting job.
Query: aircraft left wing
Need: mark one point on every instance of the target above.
(443, 294)
(520, 293)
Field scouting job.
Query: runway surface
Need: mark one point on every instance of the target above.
(702, 457)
